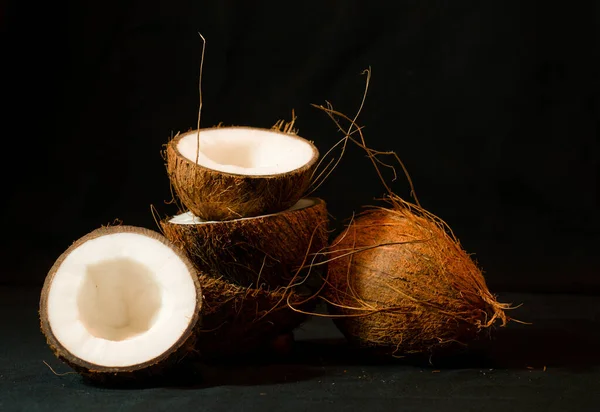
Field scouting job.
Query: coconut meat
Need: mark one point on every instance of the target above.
(246, 151)
(120, 300)
(188, 218)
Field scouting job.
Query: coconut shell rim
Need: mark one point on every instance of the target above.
(63, 352)
(317, 201)
(307, 166)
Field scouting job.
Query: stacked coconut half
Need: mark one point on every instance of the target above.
(230, 273)
(247, 229)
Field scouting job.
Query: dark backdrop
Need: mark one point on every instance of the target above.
(493, 106)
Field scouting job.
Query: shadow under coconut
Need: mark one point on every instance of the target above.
(187, 374)
(573, 346)
(517, 347)
(207, 376)
(340, 353)
(251, 369)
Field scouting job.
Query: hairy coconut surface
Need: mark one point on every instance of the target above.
(251, 271)
(403, 284)
(121, 302)
(238, 320)
(232, 172)
(263, 252)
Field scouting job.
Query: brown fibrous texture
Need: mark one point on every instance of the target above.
(257, 275)
(399, 282)
(183, 348)
(237, 320)
(264, 252)
(216, 195)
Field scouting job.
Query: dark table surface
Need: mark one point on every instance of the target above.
(553, 364)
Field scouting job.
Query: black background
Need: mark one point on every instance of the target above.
(493, 107)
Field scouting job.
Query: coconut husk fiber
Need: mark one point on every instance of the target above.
(238, 320)
(251, 271)
(399, 282)
(264, 252)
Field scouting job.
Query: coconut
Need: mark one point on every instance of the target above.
(226, 173)
(238, 320)
(254, 273)
(266, 252)
(121, 302)
(399, 282)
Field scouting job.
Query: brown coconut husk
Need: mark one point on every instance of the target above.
(217, 195)
(400, 282)
(238, 320)
(264, 252)
(146, 371)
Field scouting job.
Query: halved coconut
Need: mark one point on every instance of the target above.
(265, 251)
(233, 172)
(238, 320)
(121, 301)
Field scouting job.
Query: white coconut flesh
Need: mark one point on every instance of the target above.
(246, 151)
(121, 299)
(188, 218)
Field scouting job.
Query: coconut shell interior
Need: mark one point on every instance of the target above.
(217, 195)
(405, 285)
(183, 347)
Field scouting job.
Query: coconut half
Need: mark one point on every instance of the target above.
(233, 172)
(121, 301)
(251, 271)
(266, 251)
(237, 320)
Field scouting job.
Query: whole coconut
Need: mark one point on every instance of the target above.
(399, 282)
